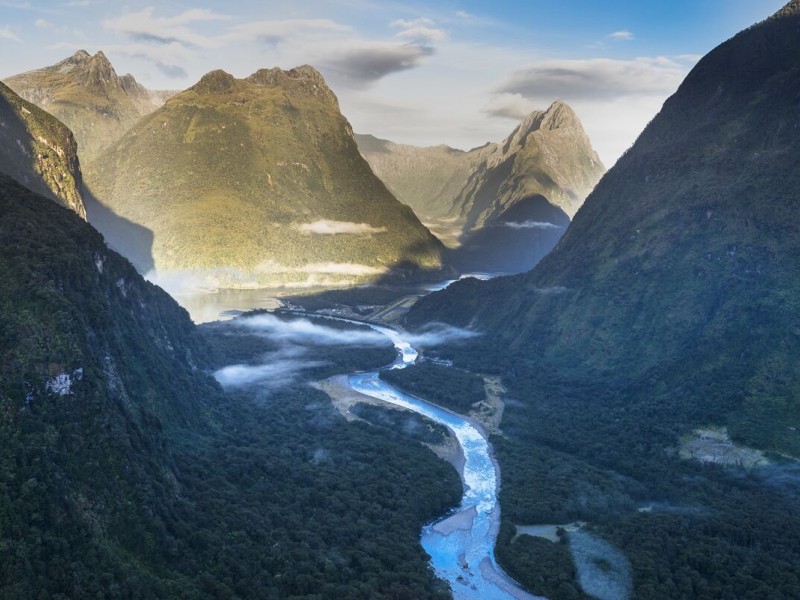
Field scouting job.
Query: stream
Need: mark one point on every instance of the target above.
(461, 545)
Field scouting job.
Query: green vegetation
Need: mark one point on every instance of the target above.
(228, 172)
(672, 303)
(38, 151)
(125, 471)
(455, 389)
(86, 94)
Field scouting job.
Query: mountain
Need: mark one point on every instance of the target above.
(548, 154)
(505, 204)
(258, 181)
(38, 151)
(125, 470)
(670, 305)
(86, 94)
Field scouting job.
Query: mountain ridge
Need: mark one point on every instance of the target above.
(85, 92)
(257, 181)
(39, 151)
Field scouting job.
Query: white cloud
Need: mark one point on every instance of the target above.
(7, 34)
(168, 58)
(44, 24)
(420, 31)
(364, 62)
(308, 333)
(510, 106)
(326, 227)
(329, 268)
(623, 35)
(146, 26)
(531, 225)
(595, 78)
(277, 31)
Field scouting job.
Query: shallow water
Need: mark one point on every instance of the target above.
(461, 545)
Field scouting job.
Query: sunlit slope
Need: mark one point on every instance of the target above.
(682, 266)
(86, 94)
(38, 151)
(548, 154)
(259, 181)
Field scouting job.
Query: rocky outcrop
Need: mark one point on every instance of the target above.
(39, 151)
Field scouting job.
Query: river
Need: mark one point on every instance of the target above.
(461, 545)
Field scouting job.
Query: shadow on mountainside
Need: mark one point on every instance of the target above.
(131, 240)
(513, 243)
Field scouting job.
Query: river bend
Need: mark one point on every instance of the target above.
(461, 545)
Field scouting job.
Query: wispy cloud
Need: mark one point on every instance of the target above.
(146, 26)
(595, 78)
(308, 333)
(328, 268)
(623, 35)
(167, 58)
(509, 106)
(531, 225)
(6, 33)
(326, 227)
(421, 31)
(367, 62)
(274, 32)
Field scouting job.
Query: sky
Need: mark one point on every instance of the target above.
(455, 72)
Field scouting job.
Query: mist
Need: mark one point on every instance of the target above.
(437, 334)
(304, 332)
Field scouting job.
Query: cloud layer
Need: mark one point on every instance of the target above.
(327, 227)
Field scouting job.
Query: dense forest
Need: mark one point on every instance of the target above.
(126, 471)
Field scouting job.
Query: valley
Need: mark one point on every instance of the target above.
(248, 353)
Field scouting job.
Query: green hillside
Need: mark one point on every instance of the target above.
(38, 151)
(126, 471)
(86, 94)
(670, 305)
(258, 181)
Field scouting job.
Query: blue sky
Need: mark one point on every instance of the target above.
(460, 72)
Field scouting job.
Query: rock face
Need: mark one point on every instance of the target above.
(86, 94)
(258, 181)
(684, 258)
(510, 202)
(39, 151)
(547, 155)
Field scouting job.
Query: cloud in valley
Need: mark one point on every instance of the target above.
(309, 333)
(437, 334)
(327, 227)
(278, 370)
(531, 225)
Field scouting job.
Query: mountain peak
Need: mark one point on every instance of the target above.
(791, 8)
(308, 78)
(215, 82)
(79, 56)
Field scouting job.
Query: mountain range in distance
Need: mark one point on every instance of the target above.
(502, 206)
(87, 95)
(257, 182)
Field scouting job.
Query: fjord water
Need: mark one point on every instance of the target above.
(461, 545)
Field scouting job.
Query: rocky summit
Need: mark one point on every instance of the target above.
(548, 154)
(258, 181)
(39, 151)
(85, 92)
